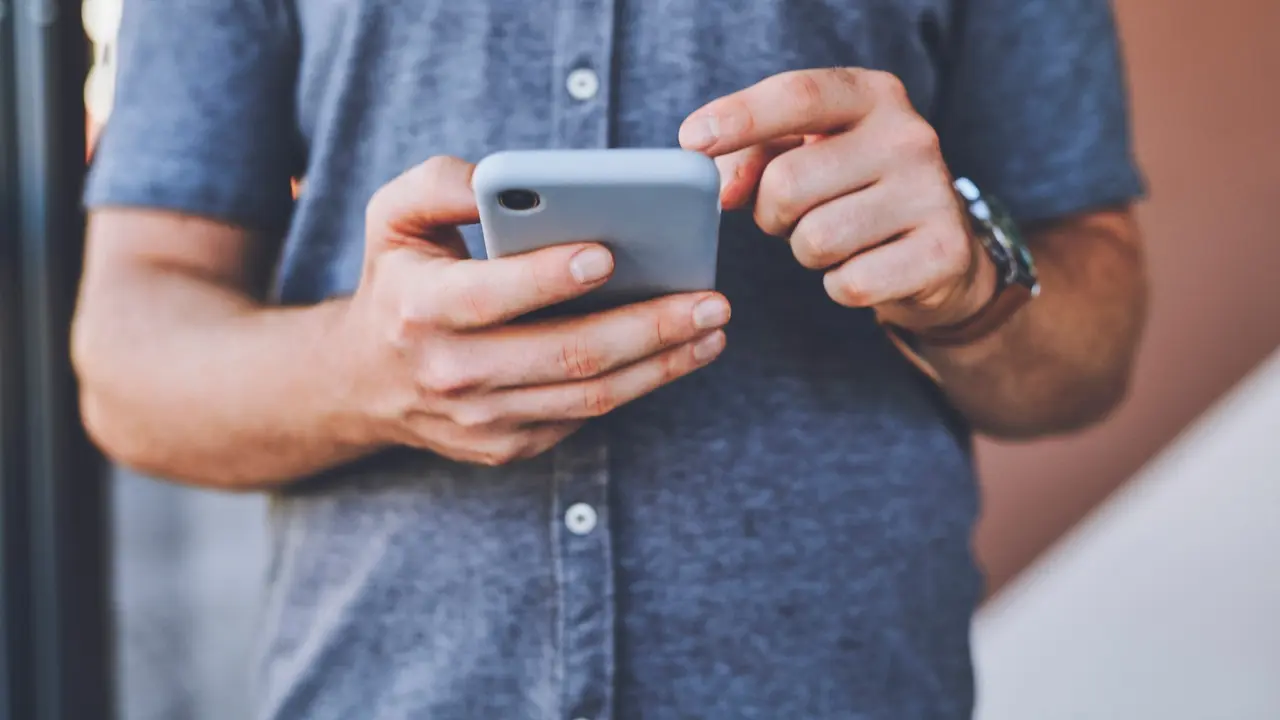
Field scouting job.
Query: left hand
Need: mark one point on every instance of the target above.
(839, 162)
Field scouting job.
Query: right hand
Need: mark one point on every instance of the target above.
(442, 368)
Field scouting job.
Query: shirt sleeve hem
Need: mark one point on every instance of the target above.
(183, 185)
(1053, 201)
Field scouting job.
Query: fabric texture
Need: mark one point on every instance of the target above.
(785, 534)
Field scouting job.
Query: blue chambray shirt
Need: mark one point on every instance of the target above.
(785, 534)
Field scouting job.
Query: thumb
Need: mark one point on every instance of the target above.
(425, 203)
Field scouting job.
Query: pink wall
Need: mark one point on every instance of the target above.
(1206, 91)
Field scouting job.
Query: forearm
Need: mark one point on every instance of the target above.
(190, 381)
(1064, 360)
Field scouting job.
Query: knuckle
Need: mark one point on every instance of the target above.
(405, 327)
(474, 306)
(852, 78)
(845, 291)
(501, 453)
(888, 85)
(385, 207)
(918, 139)
(597, 399)
(813, 243)
(468, 302)
(674, 365)
(473, 416)
(577, 359)
(667, 323)
(738, 109)
(446, 373)
(393, 198)
(517, 447)
(430, 172)
(543, 275)
(489, 459)
(780, 196)
(415, 181)
(802, 92)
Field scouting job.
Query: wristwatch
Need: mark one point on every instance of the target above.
(1016, 279)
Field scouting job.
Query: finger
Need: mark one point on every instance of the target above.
(797, 102)
(426, 202)
(593, 398)
(920, 266)
(569, 349)
(841, 228)
(541, 437)
(818, 171)
(472, 294)
(497, 446)
(740, 171)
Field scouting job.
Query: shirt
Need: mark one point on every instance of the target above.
(785, 534)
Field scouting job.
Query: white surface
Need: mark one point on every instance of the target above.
(1164, 605)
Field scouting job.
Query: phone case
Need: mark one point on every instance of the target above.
(657, 210)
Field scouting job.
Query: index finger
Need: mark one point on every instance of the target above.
(800, 102)
(470, 294)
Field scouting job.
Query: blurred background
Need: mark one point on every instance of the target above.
(1133, 570)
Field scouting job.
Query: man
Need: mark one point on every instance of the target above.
(641, 513)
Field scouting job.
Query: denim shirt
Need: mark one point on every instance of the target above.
(785, 534)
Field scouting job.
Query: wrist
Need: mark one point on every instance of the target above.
(356, 378)
(969, 294)
(995, 238)
(981, 287)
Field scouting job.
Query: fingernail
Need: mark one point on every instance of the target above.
(710, 313)
(708, 347)
(700, 133)
(591, 265)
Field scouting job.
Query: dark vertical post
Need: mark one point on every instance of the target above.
(15, 700)
(65, 503)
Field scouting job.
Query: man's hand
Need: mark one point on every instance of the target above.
(186, 374)
(837, 161)
(445, 367)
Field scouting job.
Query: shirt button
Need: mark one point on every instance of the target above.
(583, 84)
(580, 518)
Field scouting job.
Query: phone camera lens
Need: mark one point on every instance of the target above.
(519, 200)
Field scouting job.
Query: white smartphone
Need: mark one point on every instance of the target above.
(657, 210)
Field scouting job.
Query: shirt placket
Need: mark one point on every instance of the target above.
(582, 69)
(584, 569)
(581, 530)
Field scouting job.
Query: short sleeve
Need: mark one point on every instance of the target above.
(1034, 106)
(202, 121)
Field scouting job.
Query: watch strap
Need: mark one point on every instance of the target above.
(1006, 301)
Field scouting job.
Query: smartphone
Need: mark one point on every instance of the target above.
(657, 210)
